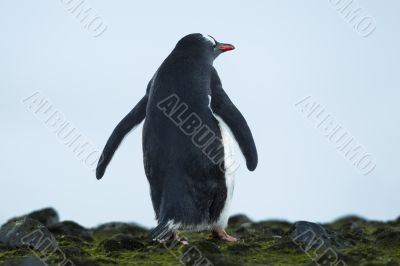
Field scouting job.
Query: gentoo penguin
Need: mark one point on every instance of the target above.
(189, 120)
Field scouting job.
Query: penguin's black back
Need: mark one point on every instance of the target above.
(186, 186)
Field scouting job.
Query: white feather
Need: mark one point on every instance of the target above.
(208, 38)
(227, 141)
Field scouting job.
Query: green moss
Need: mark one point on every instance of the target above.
(263, 243)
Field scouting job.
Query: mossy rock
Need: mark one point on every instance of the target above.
(26, 261)
(121, 242)
(70, 228)
(388, 236)
(24, 232)
(46, 216)
(348, 241)
(107, 230)
(238, 219)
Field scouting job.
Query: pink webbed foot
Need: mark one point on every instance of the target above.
(223, 235)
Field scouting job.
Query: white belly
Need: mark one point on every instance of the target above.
(230, 168)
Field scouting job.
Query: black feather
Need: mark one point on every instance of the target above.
(132, 119)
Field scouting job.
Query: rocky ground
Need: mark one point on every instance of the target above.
(40, 238)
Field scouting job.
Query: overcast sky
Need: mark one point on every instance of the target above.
(286, 51)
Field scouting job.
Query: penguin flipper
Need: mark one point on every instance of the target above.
(133, 118)
(222, 106)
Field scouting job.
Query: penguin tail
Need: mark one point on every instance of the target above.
(131, 120)
(163, 231)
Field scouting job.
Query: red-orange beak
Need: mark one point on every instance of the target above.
(226, 47)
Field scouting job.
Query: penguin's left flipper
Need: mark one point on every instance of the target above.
(222, 106)
(132, 119)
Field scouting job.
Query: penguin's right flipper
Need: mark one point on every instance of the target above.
(222, 106)
(135, 117)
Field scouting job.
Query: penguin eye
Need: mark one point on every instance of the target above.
(211, 40)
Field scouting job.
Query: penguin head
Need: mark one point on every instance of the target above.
(203, 44)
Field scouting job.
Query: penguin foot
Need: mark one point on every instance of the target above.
(183, 241)
(173, 236)
(223, 235)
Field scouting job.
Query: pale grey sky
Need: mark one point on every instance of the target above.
(286, 51)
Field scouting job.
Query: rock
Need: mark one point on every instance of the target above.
(3, 247)
(238, 219)
(88, 262)
(120, 242)
(73, 252)
(242, 248)
(202, 250)
(68, 239)
(349, 219)
(207, 247)
(313, 235)
(356, 256)
(273, 225)
(395, 222)
(109, 229)
(46, 216)
(261, 230)
(28, 261)
(353, 231)
(366, 243)
(285, 245)
(244, 231)
(273, 231)
(69, 228)
(26, 232)
(388, 236)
